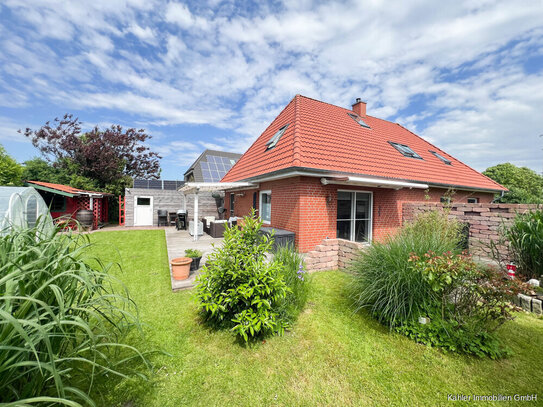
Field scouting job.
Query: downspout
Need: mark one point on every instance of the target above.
(501, 196)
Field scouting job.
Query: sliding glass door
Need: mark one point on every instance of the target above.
(354, 211)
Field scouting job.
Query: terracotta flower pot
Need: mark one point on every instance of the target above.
(181, 268)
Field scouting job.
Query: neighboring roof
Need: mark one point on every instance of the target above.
(323, 137)
(64, 189)
(211, 166)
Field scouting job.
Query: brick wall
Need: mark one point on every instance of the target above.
(306, 207)
(171, 201)
(485, 219)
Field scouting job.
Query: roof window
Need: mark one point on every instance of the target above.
(448, 162)
(405, 150)
(359, 120)
(274, 140)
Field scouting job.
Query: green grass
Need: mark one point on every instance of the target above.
(332, 356)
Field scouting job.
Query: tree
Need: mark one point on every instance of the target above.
(38, 169)
(525, 185)
(109, 158)
(10, 170)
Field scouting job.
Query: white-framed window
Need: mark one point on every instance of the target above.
(473, 200)
(232, 202)
(265, 206)
(354, 215)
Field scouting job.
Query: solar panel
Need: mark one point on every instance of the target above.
(158, 184)
(173, 185)
(141, 183)
(155, 184)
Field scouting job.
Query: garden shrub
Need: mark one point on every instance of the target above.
(238, 287)
(472, 301)
(62, 322)
(525, 238)
(297, 280)
(419, 273)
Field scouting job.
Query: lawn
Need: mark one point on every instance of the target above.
(332, 356)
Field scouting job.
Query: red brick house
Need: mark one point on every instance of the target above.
(323, 171)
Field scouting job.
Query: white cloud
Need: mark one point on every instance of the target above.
(146, 34)
(235, 68)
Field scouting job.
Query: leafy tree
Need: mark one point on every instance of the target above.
(10, 170)
(38, 169)
(525, 185)
(109, 158)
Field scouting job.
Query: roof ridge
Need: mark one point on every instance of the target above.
(325, 103)
(461, 162)
(296, 144)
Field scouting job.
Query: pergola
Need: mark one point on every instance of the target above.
(195, 187)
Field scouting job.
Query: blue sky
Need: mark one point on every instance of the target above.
(467, 76)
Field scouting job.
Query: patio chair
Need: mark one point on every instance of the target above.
(216, 228)
(162, 217)
(206, 220)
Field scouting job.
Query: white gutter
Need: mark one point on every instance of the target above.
(347, 180)
(372, 182)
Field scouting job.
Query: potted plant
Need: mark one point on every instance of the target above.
(196, 256)
(181, 267)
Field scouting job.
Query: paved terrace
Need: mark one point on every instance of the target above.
(180, 240)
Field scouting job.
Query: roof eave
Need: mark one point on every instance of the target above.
(315, 172)
(51, 190)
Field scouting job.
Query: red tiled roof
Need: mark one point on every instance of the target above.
(324, 137)
(66, 188)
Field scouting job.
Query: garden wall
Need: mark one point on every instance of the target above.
(485, 219)
(332, 254)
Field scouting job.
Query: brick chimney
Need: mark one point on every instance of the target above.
(360, 107)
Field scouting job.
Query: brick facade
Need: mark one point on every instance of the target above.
(485, 220)
(308, 208)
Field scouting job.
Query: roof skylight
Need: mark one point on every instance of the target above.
(405, 150)
(359, 120)
(275, 139)
(448, 162)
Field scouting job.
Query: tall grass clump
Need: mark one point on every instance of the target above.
(296, 278)
(418, 284)
(525, 238)
(384, 282)
(62, 320)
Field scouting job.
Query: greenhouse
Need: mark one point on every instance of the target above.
(22, 207)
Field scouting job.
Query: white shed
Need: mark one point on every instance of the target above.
(21, 207)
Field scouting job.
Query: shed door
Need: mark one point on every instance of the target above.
(143, 211)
